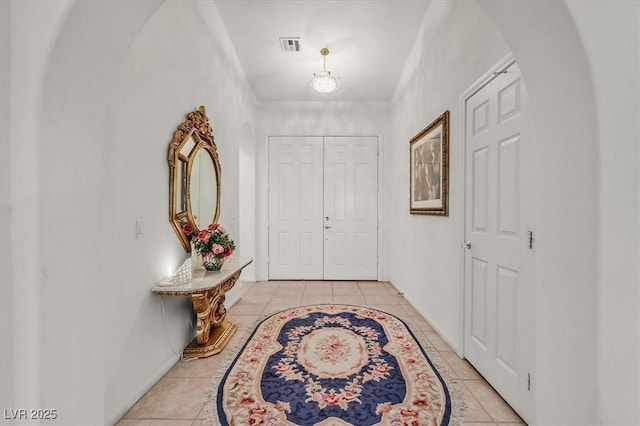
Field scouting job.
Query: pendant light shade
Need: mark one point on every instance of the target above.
(324, 82)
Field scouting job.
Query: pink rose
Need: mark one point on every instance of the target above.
(381, 368)
(204, 236)
(271, 421)
(246, 401)
(283, 368)
(407, 347)
(421, 403)
(332, 399)
(242, 375)
(187, 229)
(408, 413)
(207, 257)
(423, 376)
(283, 406)
(349, 396)
(217, 249)
(383, 408)
(213, 226)
(316, 397)
(221, 229)
(260, 411)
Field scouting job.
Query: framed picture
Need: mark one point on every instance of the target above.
(429, 169)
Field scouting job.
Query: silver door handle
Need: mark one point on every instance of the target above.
(328, 227)
(467, 245)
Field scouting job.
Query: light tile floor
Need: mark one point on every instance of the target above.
(179, 398)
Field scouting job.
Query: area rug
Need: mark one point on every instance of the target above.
(332, 365)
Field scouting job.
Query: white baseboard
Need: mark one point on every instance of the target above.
(232, 297)
(445, 336)
(127, 402)
(454, 343)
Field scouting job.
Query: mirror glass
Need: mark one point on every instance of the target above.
(203, 184)
(186, 149)
(181, 173)
(181, 186)
(194, 174)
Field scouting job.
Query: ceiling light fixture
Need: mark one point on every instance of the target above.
(324, 82)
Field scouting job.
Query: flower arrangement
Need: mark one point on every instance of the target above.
(213, 243)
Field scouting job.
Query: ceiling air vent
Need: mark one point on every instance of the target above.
(290, 44)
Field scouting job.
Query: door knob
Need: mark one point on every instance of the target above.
(328, 227)
(467, 245)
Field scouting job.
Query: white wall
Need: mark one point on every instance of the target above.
(44, 333)
(164, 75)
(7, 396)
(611, 39)
(310, 119)
(111, 90)
(247, 200)
(456, 45)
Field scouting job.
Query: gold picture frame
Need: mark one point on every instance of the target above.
(429, 169)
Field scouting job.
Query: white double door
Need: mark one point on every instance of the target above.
(499, 297)
(323, 208)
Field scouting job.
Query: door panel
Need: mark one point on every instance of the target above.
(479, 306)
(507, 317)
(351, 208)
(295, 208)
(508, 186)
(480, 190)
(499, 335)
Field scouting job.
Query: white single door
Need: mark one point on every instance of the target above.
(295, 208)
(499, 300)
(350, 208)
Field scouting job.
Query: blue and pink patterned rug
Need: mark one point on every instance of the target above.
(333, 365)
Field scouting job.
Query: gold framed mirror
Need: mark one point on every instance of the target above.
(194, 177)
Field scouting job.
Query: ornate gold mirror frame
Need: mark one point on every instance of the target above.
(194, 181)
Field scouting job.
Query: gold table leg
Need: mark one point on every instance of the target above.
(213, 332)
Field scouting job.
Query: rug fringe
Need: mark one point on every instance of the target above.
(211, 411)
(459, 405)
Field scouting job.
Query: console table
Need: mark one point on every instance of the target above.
(207, 290)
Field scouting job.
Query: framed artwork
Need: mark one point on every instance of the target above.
(429, 169)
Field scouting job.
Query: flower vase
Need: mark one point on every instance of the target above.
(211, 262)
